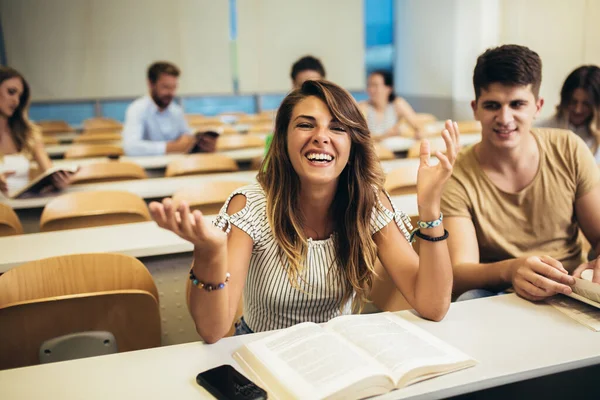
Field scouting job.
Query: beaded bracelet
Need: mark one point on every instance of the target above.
(423, 236)
(209, 287)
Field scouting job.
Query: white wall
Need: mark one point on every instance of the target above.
(438, 42)
(273, 34)
(81, 49)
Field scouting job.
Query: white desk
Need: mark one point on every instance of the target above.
(398, 143)
(512, 339)
(163, 187)
(145, 188)
(166, 255)
(161, 162)
(143, 239)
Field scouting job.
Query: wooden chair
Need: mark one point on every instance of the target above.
(102, 131)
(97, 138)
(96, 208)
(234, 142)
(193, 118)
(402, 180)
(255, 163)
(54, 126)
(384, 294)
(423, 118)
(383, 152)
(71, 294)
(254, 120)
(50, 140)
(261, 129)
(9, 221)
(207, 197)
(101, 123)
(201, 164)
(94, 150)
(108, 172)
(469, 126)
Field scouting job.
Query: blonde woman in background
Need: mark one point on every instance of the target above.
(301, 244)
(579, 108)
(384, 110)
(20, 141)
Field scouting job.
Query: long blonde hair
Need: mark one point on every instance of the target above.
(22, 131)
(586, 77)
(356, 196)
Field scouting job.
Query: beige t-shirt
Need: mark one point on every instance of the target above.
(538, 220)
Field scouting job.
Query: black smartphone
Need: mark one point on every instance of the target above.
(225, 382)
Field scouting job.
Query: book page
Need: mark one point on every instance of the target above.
(396, 343)
(315, 363)
(588, 290)
(583, 313)
(41, 182)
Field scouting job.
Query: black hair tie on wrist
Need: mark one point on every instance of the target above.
(431, 238)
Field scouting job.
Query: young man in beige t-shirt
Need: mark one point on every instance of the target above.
(516, 200)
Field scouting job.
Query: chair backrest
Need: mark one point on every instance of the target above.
(207, 197)
(101, 123)
(254, 119)
(55, 126)
(383, 153)
(50, 140)
(469, 126)
(93, 150)
(87, 209)
(261, 129)
(63, 295)
(9, 221)
(201, 164)
(95, 138)
(102, 131)
(402, 180)
(255, 163)
(233, 142)
(108, 172)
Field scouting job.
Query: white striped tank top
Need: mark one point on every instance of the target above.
(380, 125)
(270, 301)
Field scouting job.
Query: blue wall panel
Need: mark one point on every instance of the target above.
(73, 113)
(115, 109)
(213, 105)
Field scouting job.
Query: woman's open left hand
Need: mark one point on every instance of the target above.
(431, 178)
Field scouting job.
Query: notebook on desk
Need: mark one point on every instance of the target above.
(42, 182)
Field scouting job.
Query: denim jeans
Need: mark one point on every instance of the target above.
(241, 328)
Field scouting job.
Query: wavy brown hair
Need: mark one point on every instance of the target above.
(586, 77)
(22, 131)
(356, 196)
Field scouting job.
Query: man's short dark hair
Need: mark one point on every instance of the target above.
(162, 67)
(307, 63)
(510, 65)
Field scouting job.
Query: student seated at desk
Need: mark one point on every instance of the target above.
(20, 140)
(306, 68)
(155, 125)
(516, 201)
(384, 110)
(579, 108)
(302, 243)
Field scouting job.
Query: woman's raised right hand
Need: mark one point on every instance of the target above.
(193, 227)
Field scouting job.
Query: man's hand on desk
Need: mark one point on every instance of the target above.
(536, 278)
(183, 144)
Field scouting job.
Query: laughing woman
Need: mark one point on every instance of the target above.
(301, 244)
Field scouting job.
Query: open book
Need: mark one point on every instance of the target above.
(585, 291)
(42, 182)
(349, 357)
